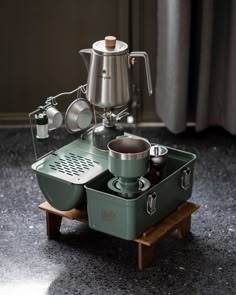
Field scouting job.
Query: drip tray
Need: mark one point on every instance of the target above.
(72, 165)
(62, 174)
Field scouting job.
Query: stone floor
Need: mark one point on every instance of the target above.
(83, 261)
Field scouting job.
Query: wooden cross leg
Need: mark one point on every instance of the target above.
(184, 227)
(179, 219)
(145, 255)
(54, 218)
(53, 225)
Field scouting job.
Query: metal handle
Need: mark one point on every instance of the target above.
(151, 203)
(86, 55)
(147, 67)
(186, 179)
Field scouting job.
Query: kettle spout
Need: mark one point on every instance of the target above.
(86, 55)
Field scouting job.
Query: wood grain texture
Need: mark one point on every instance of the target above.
(53, 225)
(80, 214)
(169, 224)
(179, 219)
(145, 256)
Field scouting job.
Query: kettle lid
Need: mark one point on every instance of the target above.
(110, 46)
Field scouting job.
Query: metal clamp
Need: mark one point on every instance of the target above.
(151, 203)
(186, 179)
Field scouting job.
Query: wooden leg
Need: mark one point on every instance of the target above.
(184, 227)
(53, 225)
(145, 255)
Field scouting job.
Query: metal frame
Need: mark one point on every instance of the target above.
(51, 101)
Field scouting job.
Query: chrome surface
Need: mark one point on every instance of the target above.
(108, 80)
(110, 118)
(78, 116)
(158, 150)
(147, 67)
(86, 54)
(55, 118)
(100, 48)
(127, 148)
(108, 83)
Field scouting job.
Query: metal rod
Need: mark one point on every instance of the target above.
(32, 133)
(94, 114)
(81, 88)
(82, 136)
(70, 92)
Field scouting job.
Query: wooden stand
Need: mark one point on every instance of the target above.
(179, 220)
(54, 218)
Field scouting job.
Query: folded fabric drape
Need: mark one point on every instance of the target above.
(196, 63)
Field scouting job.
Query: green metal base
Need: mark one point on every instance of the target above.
(63, 173)
(129, 218)
(78, 172)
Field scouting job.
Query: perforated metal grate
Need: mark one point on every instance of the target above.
(72, 164)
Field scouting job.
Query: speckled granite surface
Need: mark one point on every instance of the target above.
(86, 262)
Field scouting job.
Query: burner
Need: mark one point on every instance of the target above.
(140, 186)
(109, 129)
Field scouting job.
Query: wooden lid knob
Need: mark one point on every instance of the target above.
(110, 41)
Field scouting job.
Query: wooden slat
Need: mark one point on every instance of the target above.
(80, 214)
(168, 224)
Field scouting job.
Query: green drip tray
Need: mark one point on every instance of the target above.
(72, 164)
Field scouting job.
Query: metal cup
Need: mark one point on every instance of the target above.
(78, 115)
(54, 118)
(128, 157)
(158, 161)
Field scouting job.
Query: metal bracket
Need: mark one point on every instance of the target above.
(186, 179)
(151, 203)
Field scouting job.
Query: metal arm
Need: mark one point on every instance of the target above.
(51, 100)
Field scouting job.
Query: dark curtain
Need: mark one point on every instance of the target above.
(196, 63)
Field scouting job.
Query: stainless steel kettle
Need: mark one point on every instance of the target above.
(108, 64)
